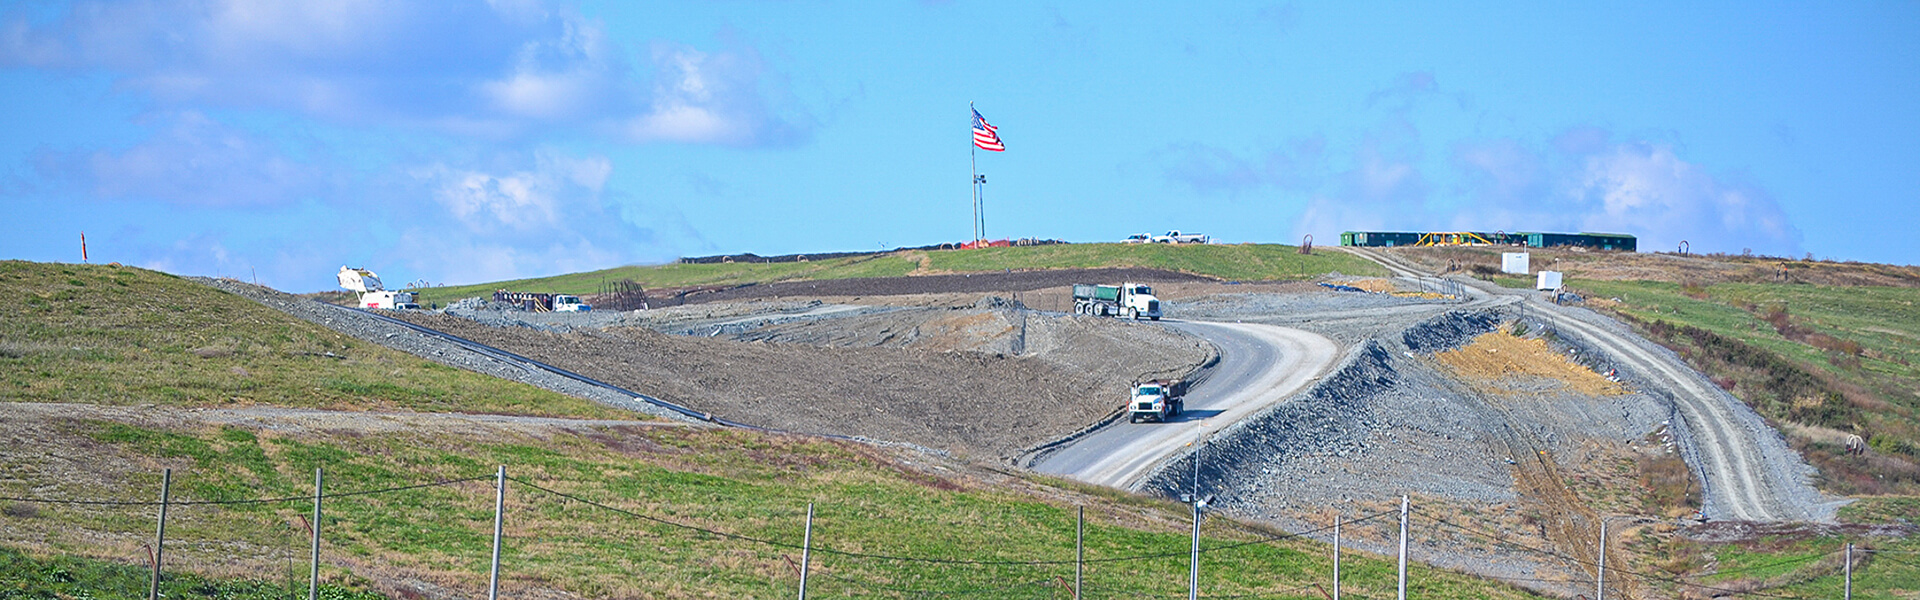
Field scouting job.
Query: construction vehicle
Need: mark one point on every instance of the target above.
(1175, 237)
(1160, 400)
(1132, 300)
(569, 303)
(372, 293)
(541, 302)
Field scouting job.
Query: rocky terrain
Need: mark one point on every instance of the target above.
(987, 367)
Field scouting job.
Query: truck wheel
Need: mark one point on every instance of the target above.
(1133, 418)
(1156, 318)
(1133, 314)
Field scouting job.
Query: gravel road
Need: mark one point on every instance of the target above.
(1259, 366)
(1746, 468)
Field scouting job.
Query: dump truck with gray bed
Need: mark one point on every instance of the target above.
(1131, 300)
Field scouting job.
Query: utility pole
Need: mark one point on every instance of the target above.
(313, 574)
(806, 551)
(1849, 561)
(499, 514)
(1193, 565)
(1403, 548)
(1336, 557)
(1600, 574)
(160, 535)
(1079, 550)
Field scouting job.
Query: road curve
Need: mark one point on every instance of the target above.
(1748, 470)
(1259, 366)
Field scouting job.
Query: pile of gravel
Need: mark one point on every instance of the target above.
(1331, 419)
(469, 304)
(1449, 330)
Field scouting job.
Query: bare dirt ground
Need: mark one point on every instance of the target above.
(983, 382)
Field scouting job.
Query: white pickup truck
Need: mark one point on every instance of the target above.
(1175, 237)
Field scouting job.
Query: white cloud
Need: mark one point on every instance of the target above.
(1649, 190)
(526, 200)
(522, 215)
(1580, 180)
(496, 70)
(710, 98)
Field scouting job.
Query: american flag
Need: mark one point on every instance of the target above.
(984, 136)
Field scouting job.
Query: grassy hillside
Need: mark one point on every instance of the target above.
(682, 513)
(121, 335)
(1242, 262)
(1245, 262)
(1824, 361)
(686, 275)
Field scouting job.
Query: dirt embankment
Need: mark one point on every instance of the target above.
(980, 382)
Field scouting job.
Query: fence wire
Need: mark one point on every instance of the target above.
(290, 540)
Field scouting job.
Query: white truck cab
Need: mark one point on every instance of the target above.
(1159, 400)
(569, 303)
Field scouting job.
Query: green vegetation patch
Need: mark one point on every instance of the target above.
(678, 275)
(638, 511)
(127, 336)
(1837, 359)
(1239, 262)
(67, 577)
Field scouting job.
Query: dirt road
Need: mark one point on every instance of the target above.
(1746, 469)
(1259, 366)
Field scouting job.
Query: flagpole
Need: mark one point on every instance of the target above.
(973, 159)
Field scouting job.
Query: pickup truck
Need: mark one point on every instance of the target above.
(1138, 238)
(1175, 237)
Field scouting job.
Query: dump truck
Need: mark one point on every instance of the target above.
(541, 302)
(1131, 300)
(1159, 400)
(372, 293)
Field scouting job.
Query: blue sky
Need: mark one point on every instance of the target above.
(458, 143)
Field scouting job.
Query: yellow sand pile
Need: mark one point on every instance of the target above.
(1498, 361)
(1375, 285)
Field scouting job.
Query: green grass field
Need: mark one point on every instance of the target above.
(1841, 358)
(700, 513)
(123, 336)
(686, 275)
(1241, 262)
